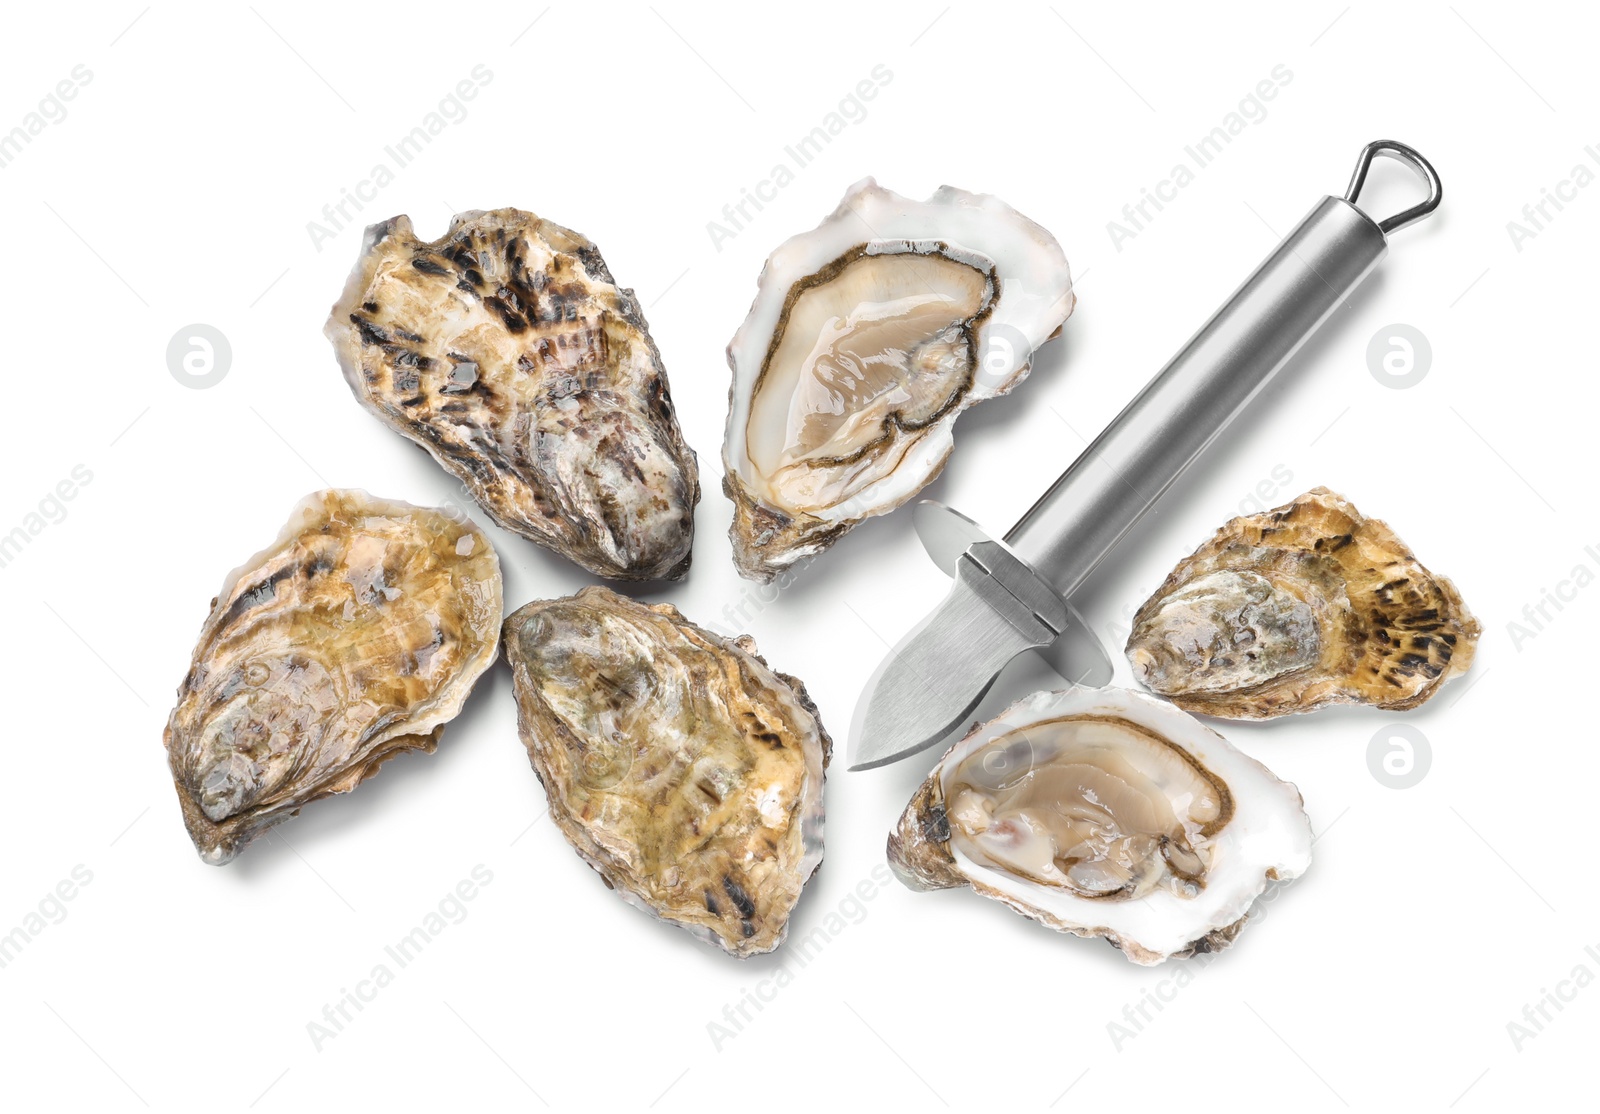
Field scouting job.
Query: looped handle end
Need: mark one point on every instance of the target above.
(1409, 156)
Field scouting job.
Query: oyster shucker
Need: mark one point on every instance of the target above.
(1011, 595)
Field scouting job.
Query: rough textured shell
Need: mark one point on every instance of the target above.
(680, 767)
(356, 635)
(1267, 840)
(506, 350)
(1385, 631)
(1034, 297)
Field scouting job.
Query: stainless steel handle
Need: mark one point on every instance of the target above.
(1214, 376)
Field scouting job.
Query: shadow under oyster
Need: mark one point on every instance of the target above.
(356, 635)
(677, 764)
(508, 352)
(1308, 604)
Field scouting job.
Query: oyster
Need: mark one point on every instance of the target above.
(1308, 604)
(687, 773)
(1102, 812)
(507, 351)
(355, 636)
(868, 336)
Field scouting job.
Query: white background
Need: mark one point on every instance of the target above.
(178, 190)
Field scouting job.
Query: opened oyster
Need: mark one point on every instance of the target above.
(507, 351)
(687, 773)
(868, 336)
(356, 635)
(1102, 812)
(1308, 604)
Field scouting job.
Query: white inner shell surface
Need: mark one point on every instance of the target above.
(955, 231)
(1268, 836)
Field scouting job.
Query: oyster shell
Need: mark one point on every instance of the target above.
(356, 635)
(868, 336)
(1103, 812)
(1308, 604)
(507, 351)
(687, 773)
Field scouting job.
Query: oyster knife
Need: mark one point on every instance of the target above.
(1011, 594)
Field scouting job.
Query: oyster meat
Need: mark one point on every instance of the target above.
(1103, 812)
(868, 336)
(681, 768)
(356, 635)
(507, 351)
(1288, 610)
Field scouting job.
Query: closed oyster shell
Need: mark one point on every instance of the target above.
(868, 337)
(356, 635)
(507, 351)
(1309, 604)
(681, 768)
(1105, 813)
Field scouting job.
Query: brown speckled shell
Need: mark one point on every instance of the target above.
(508, 352)
(706, 736)
(352, 638)
(1392, 632)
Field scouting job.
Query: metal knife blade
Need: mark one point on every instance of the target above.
(910, 699)
(1011, 595)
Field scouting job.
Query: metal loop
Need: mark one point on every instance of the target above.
(1410, 157)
